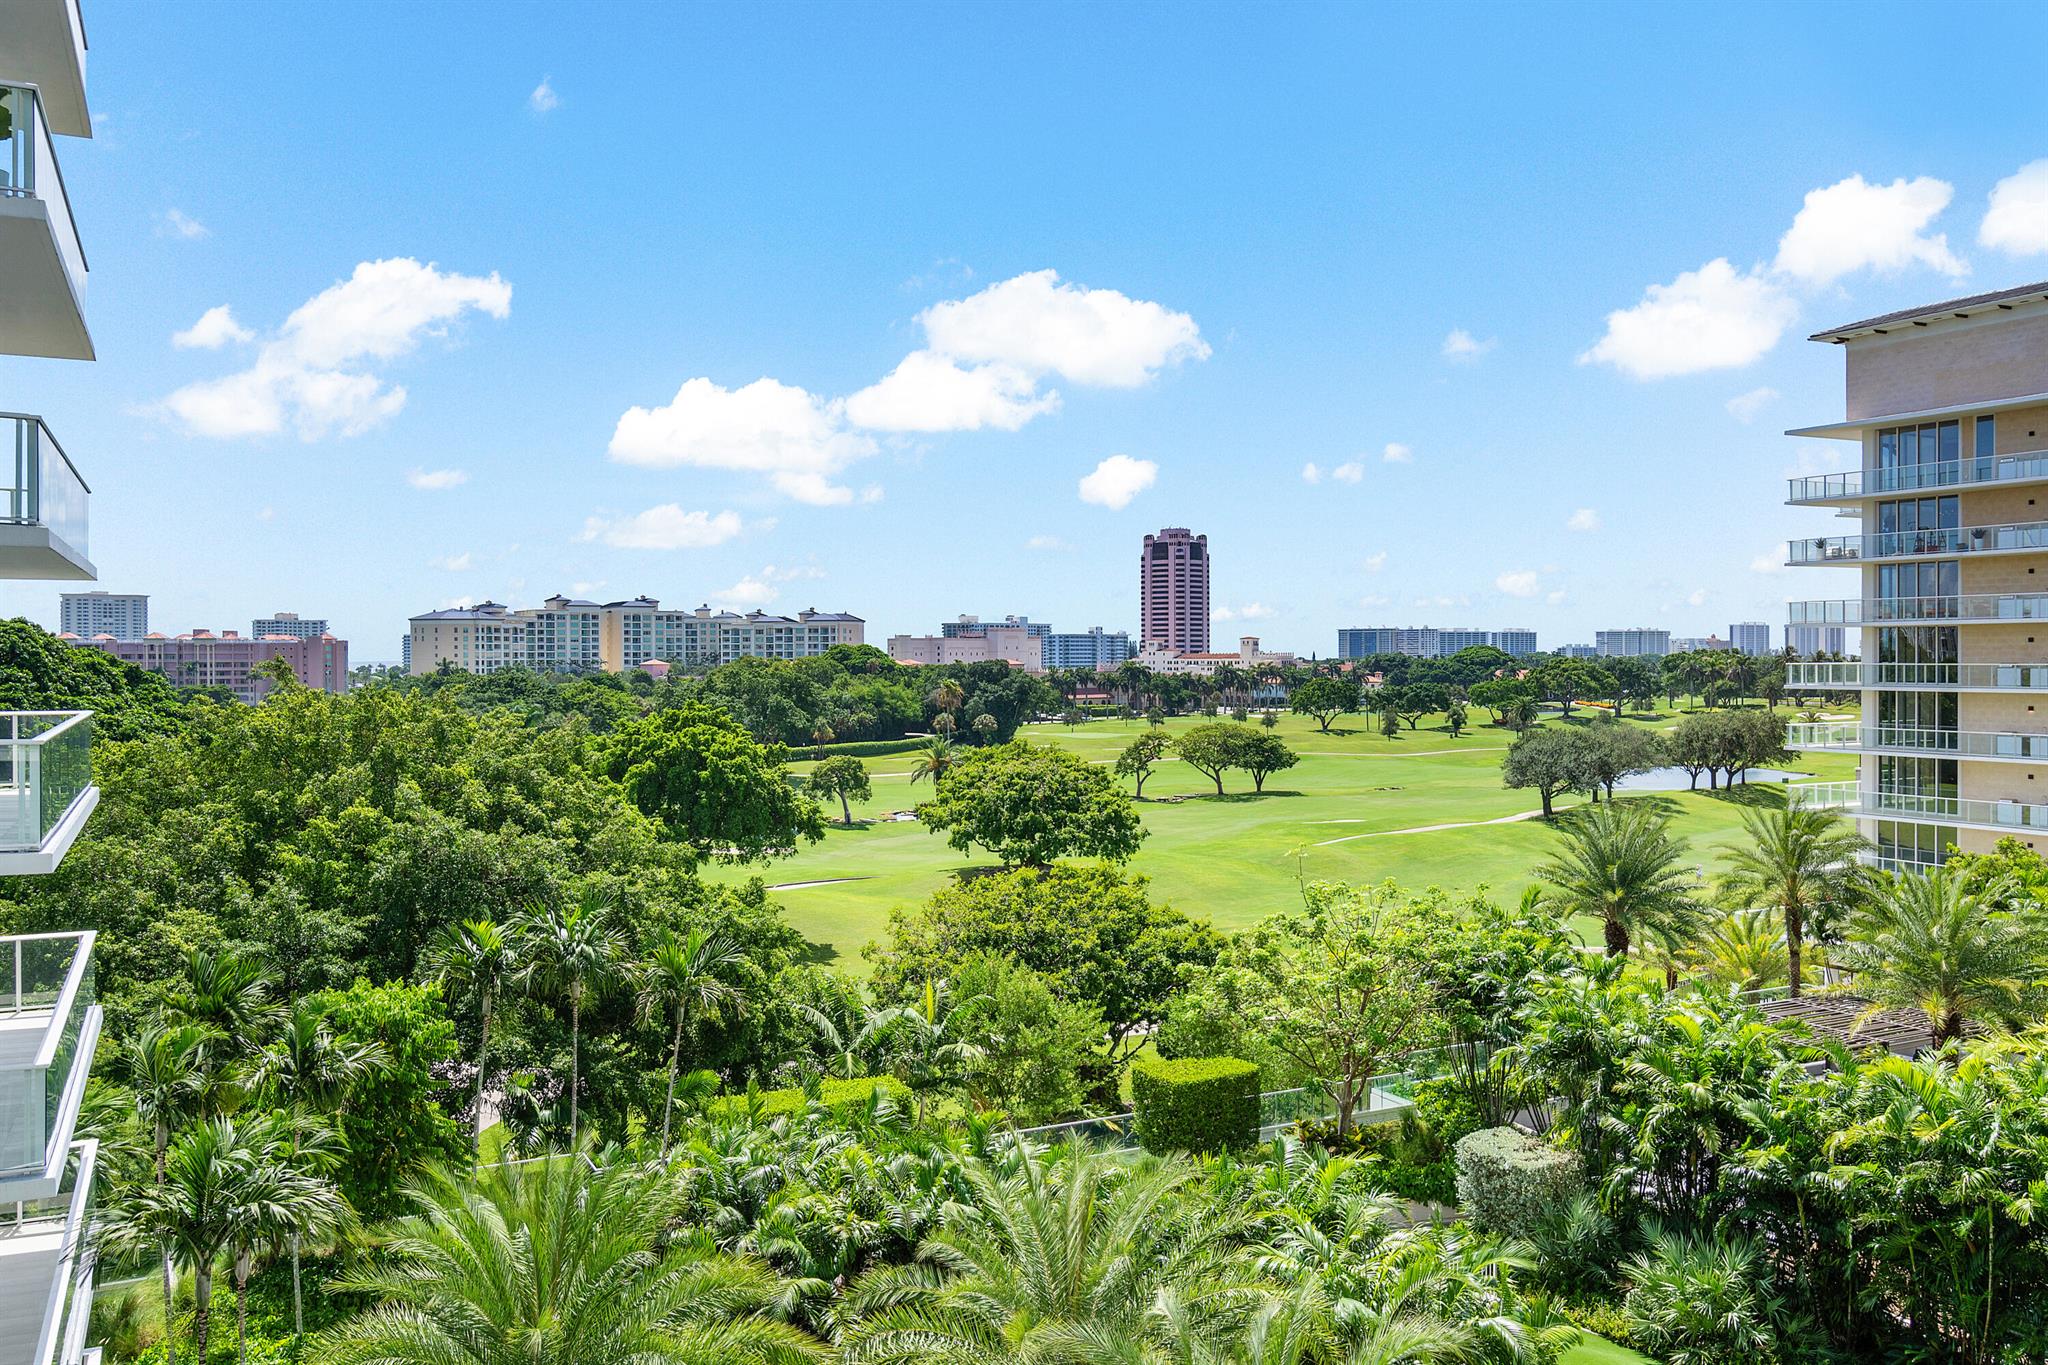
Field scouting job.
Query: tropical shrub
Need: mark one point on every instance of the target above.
(1196, 1104)
(1512, 1183)
(1699, 1301)
(832, 1094)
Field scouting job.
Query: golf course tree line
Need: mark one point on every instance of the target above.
(1592, 758)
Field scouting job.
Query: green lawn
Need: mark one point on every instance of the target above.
(1340, 814)
(1593, 1350)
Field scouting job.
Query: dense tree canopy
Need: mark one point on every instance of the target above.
(1030, 804)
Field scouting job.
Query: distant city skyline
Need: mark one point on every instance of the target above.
(681, 369)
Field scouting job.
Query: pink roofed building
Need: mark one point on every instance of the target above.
(226, 659)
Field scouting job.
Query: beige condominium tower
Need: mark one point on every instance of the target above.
(1947, 414)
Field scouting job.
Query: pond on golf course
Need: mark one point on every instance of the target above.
(1676, 780)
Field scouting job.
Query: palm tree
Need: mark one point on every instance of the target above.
(476, 956)
(553, 1263)
(933, 760)
(1061, 1257)
(280, 1194)
(1796, 859)
(921, 1042)
(681, 976)
(1928, 944)
(167, 1073)
(984, 727)
(226, 993)
(1745, 951)
(1621, 866)
(571, 953)
(947, 698)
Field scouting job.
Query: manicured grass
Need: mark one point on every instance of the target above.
(1235, 859)
(1593, 1350)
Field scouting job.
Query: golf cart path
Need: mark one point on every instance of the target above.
(1431, 829)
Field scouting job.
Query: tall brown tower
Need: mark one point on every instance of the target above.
(1173, 590)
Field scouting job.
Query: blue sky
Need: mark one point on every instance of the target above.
(1263, 226)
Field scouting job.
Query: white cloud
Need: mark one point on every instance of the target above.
(436, 480)
(1117, 480)
(1396, 453)
(1250, 611)
(667, 527)
(1376, 561)
(1046, 543)
(216, 328)
(1853, 225)
(1707, 319)
(308, 374)
(544, 100)
(585, 587)
(1696, 598)
(456, 603)
(759, 589)
(177, 223)
(1554, 596)
(872, 493)
(461, 563)
(1310, 473)
(1771, 561)
(765, 427)
(1461, 345)
(1351, 471)
(2017, 220)
(1744, 407)
(930, 392)
(268, 513)
(1585, 519)
(1519, 583)
(1098, 337)
(1442, 600)
(1377, 599)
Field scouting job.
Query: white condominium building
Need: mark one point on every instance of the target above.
(123, 615)
(290, 623)
(570, 635)
(49, 1021)
(1947, 414)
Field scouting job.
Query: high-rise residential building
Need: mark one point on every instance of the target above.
(1694, 644)
(974, 625)
(1632, 643)
(1428, 642)
(568, 635)
(1808, 641)
(1945, 411)
(1173, 590)
(123, 615)
(1578, 651)
(52, 1022)
(228, 659)
(1094, 648)
(289, 623)
(1751, 637)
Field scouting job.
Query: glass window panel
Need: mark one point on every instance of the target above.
(1951, 442)
(1909, 445)
(1986, 435)
(1951, 512)
(1887, 449)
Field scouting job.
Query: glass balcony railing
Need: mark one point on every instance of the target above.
(2022, 467)
(1854, 799)
(46, 489)
(1948, 540)
(48, 1255)
(1851, 675)
(28, 170)
(45, 769)
(49, 1020)
(1919, 740)
(2030, 606)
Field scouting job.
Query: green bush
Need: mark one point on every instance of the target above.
(1446, 1113)
(860, 748)
(1196, 1104)
(1599, 1317)
(833, 1094)
(1510, 1183)
(1403, 1158)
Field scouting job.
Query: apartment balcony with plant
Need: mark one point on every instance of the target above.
(1945, 542)
(1855, 485)
(42, 264)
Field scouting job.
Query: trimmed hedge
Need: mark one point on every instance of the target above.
(857, 748)
(1195, 1104)
(833, 1094)
(1512, 1183)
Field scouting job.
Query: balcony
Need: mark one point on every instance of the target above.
(1861, 802)
(1990, 746)
(49, 1025)
(1961, 609)
(42, 265)
(1858, 484)
(46, 46)
(46, 1270)
(46, 789)
(2019, 538)
(43, 511)
(1850, 675)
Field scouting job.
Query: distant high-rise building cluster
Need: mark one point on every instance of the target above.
(1428, 642)
(1030, 645)
(123, 615)
(566, 634)
(1635, 642)
(1694, 644)
(227, 659)
(1173, 591)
